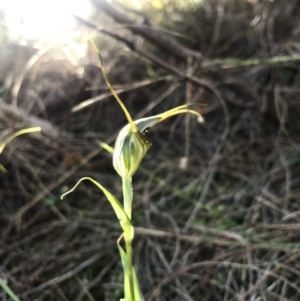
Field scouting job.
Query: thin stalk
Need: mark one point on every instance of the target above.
(128, 244)
(127, 194)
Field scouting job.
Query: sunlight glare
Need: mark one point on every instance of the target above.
(45, 21)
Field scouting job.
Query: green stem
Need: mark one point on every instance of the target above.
(130, 267)
(127, 194)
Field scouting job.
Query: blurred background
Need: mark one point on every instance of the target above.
(216, 206)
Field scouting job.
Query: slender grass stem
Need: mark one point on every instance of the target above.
(127, 194)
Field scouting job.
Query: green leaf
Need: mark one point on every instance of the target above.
(8, 290)
(18, 133)
(13, 136)
(121, 215)
(136, 286)
(105, 146)
(2, 168)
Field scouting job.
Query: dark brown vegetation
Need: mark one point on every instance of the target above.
(216, 208)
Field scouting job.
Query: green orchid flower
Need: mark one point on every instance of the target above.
(131, 147)
(132, 142)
